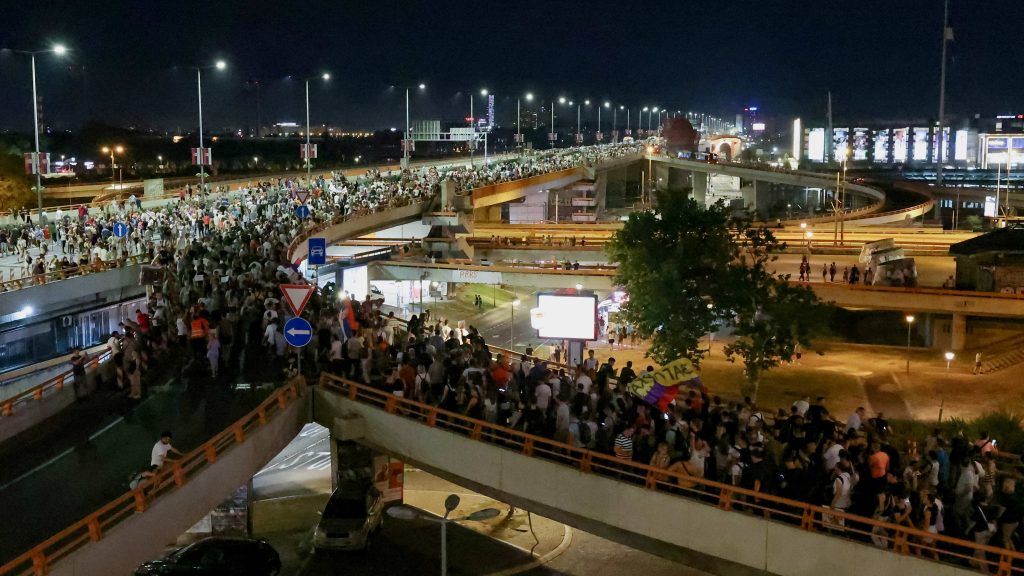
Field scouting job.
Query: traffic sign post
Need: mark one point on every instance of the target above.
(298, 332)
(301, 195)
(296, 295)
(302, 211)
(120, 229)
(317, 251)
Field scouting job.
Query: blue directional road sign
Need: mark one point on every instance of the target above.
(317, 251)
(302, 211)
(298, 332)
(120, 229)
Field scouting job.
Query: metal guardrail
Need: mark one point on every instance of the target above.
(901, 539)
(49, 387)
(174, 474)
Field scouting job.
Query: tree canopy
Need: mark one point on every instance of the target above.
(688, 269)
(15, 187)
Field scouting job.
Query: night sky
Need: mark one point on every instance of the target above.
(880, 58)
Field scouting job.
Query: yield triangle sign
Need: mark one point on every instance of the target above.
(302, 195)
(296, 295)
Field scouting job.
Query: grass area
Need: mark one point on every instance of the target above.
(466, 293)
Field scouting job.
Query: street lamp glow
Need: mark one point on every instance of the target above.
(59, 49)
(655, 109)
(803, 225)
(645, 108)
(586, 102)
(561, 99)
(483, 92)
(570, 102)
(950, 356)
(910, 319)
(423, 86)
(579, 286)
(622, 106)
(516, 302)
(529, 96)
(607, 104)
(220, 65)
(326, 76)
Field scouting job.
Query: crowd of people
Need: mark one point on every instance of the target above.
(943, 485)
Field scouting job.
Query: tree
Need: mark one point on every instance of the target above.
(688, 268)
(15, 189)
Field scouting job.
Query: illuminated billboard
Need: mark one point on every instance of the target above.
(840, 143)
(860, 143)
(920, 149)
(816, 144)
(881, 154)
(565, 316)
(900, 139)
(960, 145)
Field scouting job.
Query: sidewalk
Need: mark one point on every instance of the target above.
(504, 545)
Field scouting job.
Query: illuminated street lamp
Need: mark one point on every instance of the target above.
(111, 150)
(309, 149)
(58, 50)
(519, 118)
(949, 359)
(407, 140)
(201, 157)
(910, 322)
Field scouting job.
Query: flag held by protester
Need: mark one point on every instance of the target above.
(660, 388)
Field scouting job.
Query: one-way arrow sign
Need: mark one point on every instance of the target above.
(298, 332)
(296, 295)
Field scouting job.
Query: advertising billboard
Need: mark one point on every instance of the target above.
(816, 144)
(960, 145)
(990, 206)
(356, 282)
(840, 143)
(900, 139)
(860, 143)
(881, 154)
(920, 150)
(565, 316)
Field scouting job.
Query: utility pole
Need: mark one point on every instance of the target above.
(947, 35)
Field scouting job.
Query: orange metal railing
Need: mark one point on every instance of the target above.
(901, 539)
(51, 386)
(39, 560)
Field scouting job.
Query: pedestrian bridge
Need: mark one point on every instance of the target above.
(711, 526)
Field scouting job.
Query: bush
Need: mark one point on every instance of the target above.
(1006, 427)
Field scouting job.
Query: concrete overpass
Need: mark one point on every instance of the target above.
(958, 304)
(714, 527)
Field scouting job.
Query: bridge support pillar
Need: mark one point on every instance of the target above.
(757, 197)
(958, 332)
(699, 186)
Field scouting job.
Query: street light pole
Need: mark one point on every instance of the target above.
(512, 325)
(202, 153)
(35, 128)
(309, 168)
(946, 34)
(910, 322)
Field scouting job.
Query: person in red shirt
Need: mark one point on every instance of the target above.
(142, 320)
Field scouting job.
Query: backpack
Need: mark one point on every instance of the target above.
(586, 435)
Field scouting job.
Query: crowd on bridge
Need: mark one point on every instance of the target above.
(951, 486)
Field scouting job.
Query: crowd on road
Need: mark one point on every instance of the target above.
(467, 178)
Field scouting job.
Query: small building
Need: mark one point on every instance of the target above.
(992, 262)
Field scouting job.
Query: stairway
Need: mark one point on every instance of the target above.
(1003, 355)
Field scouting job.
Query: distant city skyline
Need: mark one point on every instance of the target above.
(129, 64)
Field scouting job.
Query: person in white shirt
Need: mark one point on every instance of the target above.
(590, 364)
(583, 383)
(161, 449)
(543, 394)
(802, 405)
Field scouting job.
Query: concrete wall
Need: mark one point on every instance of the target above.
(98, 288)
(142, 537)
(361, 225)
(701, 535)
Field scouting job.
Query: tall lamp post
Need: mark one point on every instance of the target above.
(59, 50)
(910, 322)
(219, 65)
(519, 118)
(309, 149)
(111, 150)
(408, 140)
(512, 324)
(640, 120)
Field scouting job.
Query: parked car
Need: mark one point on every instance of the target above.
(354, 512)
(217, 556)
